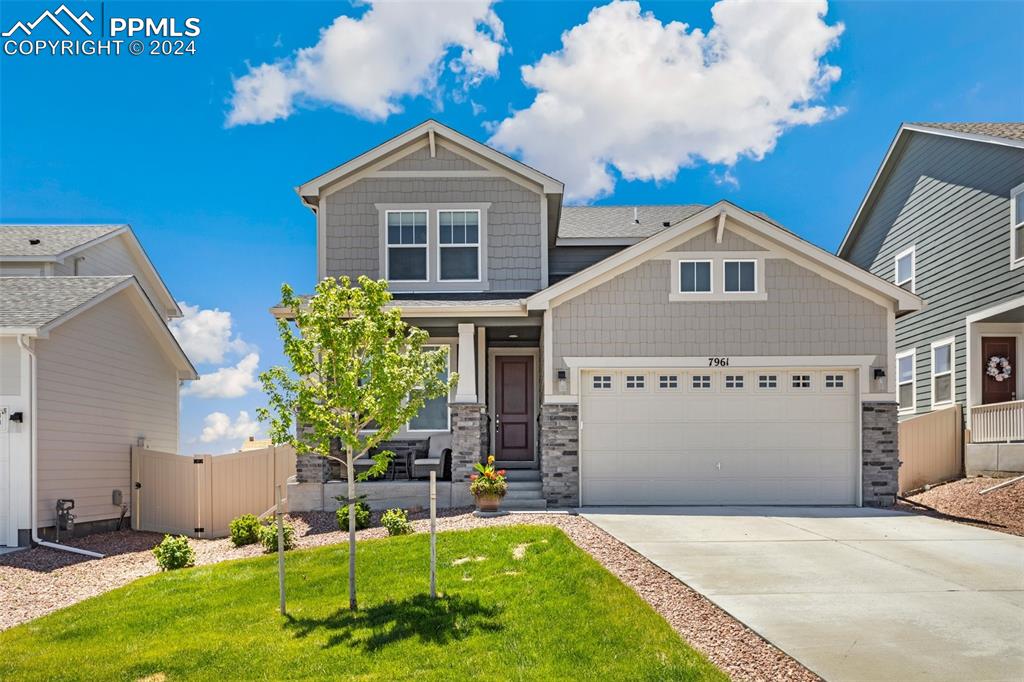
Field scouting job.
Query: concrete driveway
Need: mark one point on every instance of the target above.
(853, 594)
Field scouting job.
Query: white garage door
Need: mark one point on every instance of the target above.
(719, 437)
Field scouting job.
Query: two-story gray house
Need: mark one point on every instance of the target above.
(944, 218)
(679, 354)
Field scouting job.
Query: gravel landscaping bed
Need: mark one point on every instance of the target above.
(1001, 510)
(41, 580)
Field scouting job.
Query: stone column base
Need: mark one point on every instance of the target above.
(559, 454)
(880, 454)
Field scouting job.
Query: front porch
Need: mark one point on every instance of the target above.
(495, 408)
(994, 441)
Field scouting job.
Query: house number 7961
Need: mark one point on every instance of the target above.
(718, 362)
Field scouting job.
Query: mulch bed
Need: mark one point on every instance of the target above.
(1001, 510)
(41, 580)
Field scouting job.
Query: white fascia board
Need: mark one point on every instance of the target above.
(172, 308)
(312, 187)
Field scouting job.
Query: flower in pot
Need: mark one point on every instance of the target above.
(488, 485)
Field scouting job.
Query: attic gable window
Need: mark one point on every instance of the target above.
(407, 246)
(906, 270)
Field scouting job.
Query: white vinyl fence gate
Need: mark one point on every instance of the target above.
(199, 495)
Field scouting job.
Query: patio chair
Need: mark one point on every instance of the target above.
(438, 459)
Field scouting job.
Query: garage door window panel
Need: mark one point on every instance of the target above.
(601, 382)
(767, 382)
(835, 382)
(668, 382)
(734, 382)
(635, 382)
(701, 382)
(801, 382)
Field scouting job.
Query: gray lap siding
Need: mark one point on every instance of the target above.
(513, 225)
(950, 199)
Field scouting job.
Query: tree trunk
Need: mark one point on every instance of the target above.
(351, 475)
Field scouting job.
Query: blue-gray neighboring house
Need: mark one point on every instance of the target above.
(944, 218)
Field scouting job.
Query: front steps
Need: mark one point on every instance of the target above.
(525, 492)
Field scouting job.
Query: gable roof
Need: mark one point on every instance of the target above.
(835, 268)
(430, 128)
(1006, 131)
(35, 305)
(51, 241)
(1006, 134)
(58, 242)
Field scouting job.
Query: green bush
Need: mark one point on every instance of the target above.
(174, 553)
(396, 521)
(362, 516)
(245, 530)
(268, 537)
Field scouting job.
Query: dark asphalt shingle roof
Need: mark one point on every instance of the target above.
(53, 239)
(617, 222)
(1008, 130)
(37, 301)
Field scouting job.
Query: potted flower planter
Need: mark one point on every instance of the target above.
(488, 486)
(488, 503)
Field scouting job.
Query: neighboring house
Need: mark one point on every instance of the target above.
(88, 368)
(944, 218)
(680, 354)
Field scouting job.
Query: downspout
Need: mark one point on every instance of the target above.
(34, 488)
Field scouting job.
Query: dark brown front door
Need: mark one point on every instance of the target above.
(513, 417)
(993, 391)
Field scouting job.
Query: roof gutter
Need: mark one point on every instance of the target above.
(34, 459)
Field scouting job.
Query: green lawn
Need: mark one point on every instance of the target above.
(554, 614)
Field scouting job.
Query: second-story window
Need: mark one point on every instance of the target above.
(458, 245)
(740, 276)
(407, 246)
(905, 269)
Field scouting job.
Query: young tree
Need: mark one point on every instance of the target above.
(355, 364)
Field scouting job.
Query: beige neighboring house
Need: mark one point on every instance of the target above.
(254, 443)
(88, 368)
(617, 355)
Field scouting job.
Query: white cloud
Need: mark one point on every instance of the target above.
(367, 64)
(205, 335)
(227, 382)
(218, 426)
(629, 92)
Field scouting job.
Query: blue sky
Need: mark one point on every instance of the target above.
(144, 140)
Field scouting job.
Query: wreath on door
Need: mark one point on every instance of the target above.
(999, 368)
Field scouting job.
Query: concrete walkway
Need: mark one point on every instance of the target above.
(853, 594)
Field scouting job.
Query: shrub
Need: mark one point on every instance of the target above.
(174, 553)
(268, 537)
(245, 530)
(362, 516)
(396, 521)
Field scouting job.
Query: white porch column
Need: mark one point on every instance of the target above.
(465, 391)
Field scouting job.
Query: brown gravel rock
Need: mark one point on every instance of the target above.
(1001, 510)
(38, 581)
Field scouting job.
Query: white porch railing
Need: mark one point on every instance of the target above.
(998, 422)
